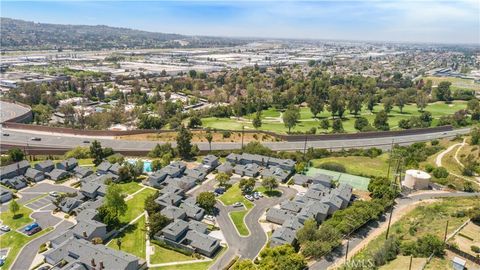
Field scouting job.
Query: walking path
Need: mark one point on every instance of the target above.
(438, 160)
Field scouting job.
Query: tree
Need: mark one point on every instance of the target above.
(325, 124)
(157, 222)
(206, 200)
(440, 172)
(150, 205)
(269, 183)
(161, 150)
(361, 123)
(307, 232)
(14, 208)
(443, 91)
(426, 118)
(97, 152)
(475, 139)
(291, 117)
(355, 103)
(41, 113)
(195, 122)
(119, 243)
(136, 170)
(257, 120)
(421, 100)
(401, 100)
(315, 104)
(184, 145)
(281, 257)
(222, 179)
(387, 104)
(209, 138)
(15, 154)
(115, 200)
(337, 126)
(371, 101)
(246, 185)
(381, 121)
(244, 264)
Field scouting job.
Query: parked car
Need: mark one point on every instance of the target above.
(301, 194)
(86, 141)
(260, 194)
(220, 190)
(2, 260)
(34, 230)
(249, 197)
(31, 226)
(255, 196)
(45, 267)
(35, 139)
(238, 204)
(4, 228)
(6, 134)
(53, 194)
(209, 217)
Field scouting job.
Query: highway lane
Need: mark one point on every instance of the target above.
(67, 141)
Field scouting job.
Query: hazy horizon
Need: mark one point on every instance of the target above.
(452, 22)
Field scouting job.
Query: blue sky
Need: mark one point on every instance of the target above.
(383, 20)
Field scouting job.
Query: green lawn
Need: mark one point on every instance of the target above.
(86, 162)
(357, 182)
(130, 187)
(358, 165)
(190, 266)
(273, 193)
(164, 255)
(307, 121)
(403, 262)
(133, 239)
(233, 195)
(237, 218)
(21, 219)
(15, 241)
(136, 205)
(457, 83)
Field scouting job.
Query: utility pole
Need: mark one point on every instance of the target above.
(410, 266)
(389, 221)
(305, 147)
(346, 252)
(390, 160)
(445, 237)
(243, 132)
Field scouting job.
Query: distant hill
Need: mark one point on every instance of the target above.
(25, 35)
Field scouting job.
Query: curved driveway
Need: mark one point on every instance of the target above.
(68, 141)
(246, 247)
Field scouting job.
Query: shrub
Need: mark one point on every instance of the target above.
(333, 166)
(429, 168)
(434, 142)
(226, 134)
(475, 249)
(440, 172)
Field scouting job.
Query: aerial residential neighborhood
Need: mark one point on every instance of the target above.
(239, 135)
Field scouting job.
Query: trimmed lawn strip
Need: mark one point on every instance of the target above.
(130, 187)
(358, 165)
(21, 219)
(237, 218)
(15, 241)
(233, 195)
(133, 239)
(192, 266)
(165, 255)
(136, 205)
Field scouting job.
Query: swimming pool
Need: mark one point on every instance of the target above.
(147, 164)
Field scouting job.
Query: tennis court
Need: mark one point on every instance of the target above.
(356, 182)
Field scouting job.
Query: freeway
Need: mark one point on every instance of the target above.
(57, 141)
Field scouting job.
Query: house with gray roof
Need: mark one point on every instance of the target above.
(197, 226)
(193, 211)
(156, 179)
(260, 160)
(68, 204)
(233, 158)
(67, 165)
(5, 195)
(284, 164)
(89, 205)
(250, 170)
(334, 202)
(45, 166)
(283, 236)
(293, 224)
(211, 162)
(301, 180)
(89, 229)
(344, 192)
(17, 182)
(115, 169)
(82, 172)
(225, 168)
(202, 243)
(314, 194)
(57, 174)
(82, 252)
(278, 216)
(92, 189)
(104, 167)
(34, 175)
(168, 199)
(176, 230)
(276, 172)
(322, 179)
(14, 169)
(315, 210)
(172, 189)
(197, 174)
(173, 212)
(292, 206)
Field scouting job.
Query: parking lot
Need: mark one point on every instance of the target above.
(39, 203)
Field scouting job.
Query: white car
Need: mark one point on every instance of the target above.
(256, 196)
(53, 194)
(260, 194)
(5, 228)
(238, 204)
(249, 197)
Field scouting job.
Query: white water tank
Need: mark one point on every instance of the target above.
(416, 179)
